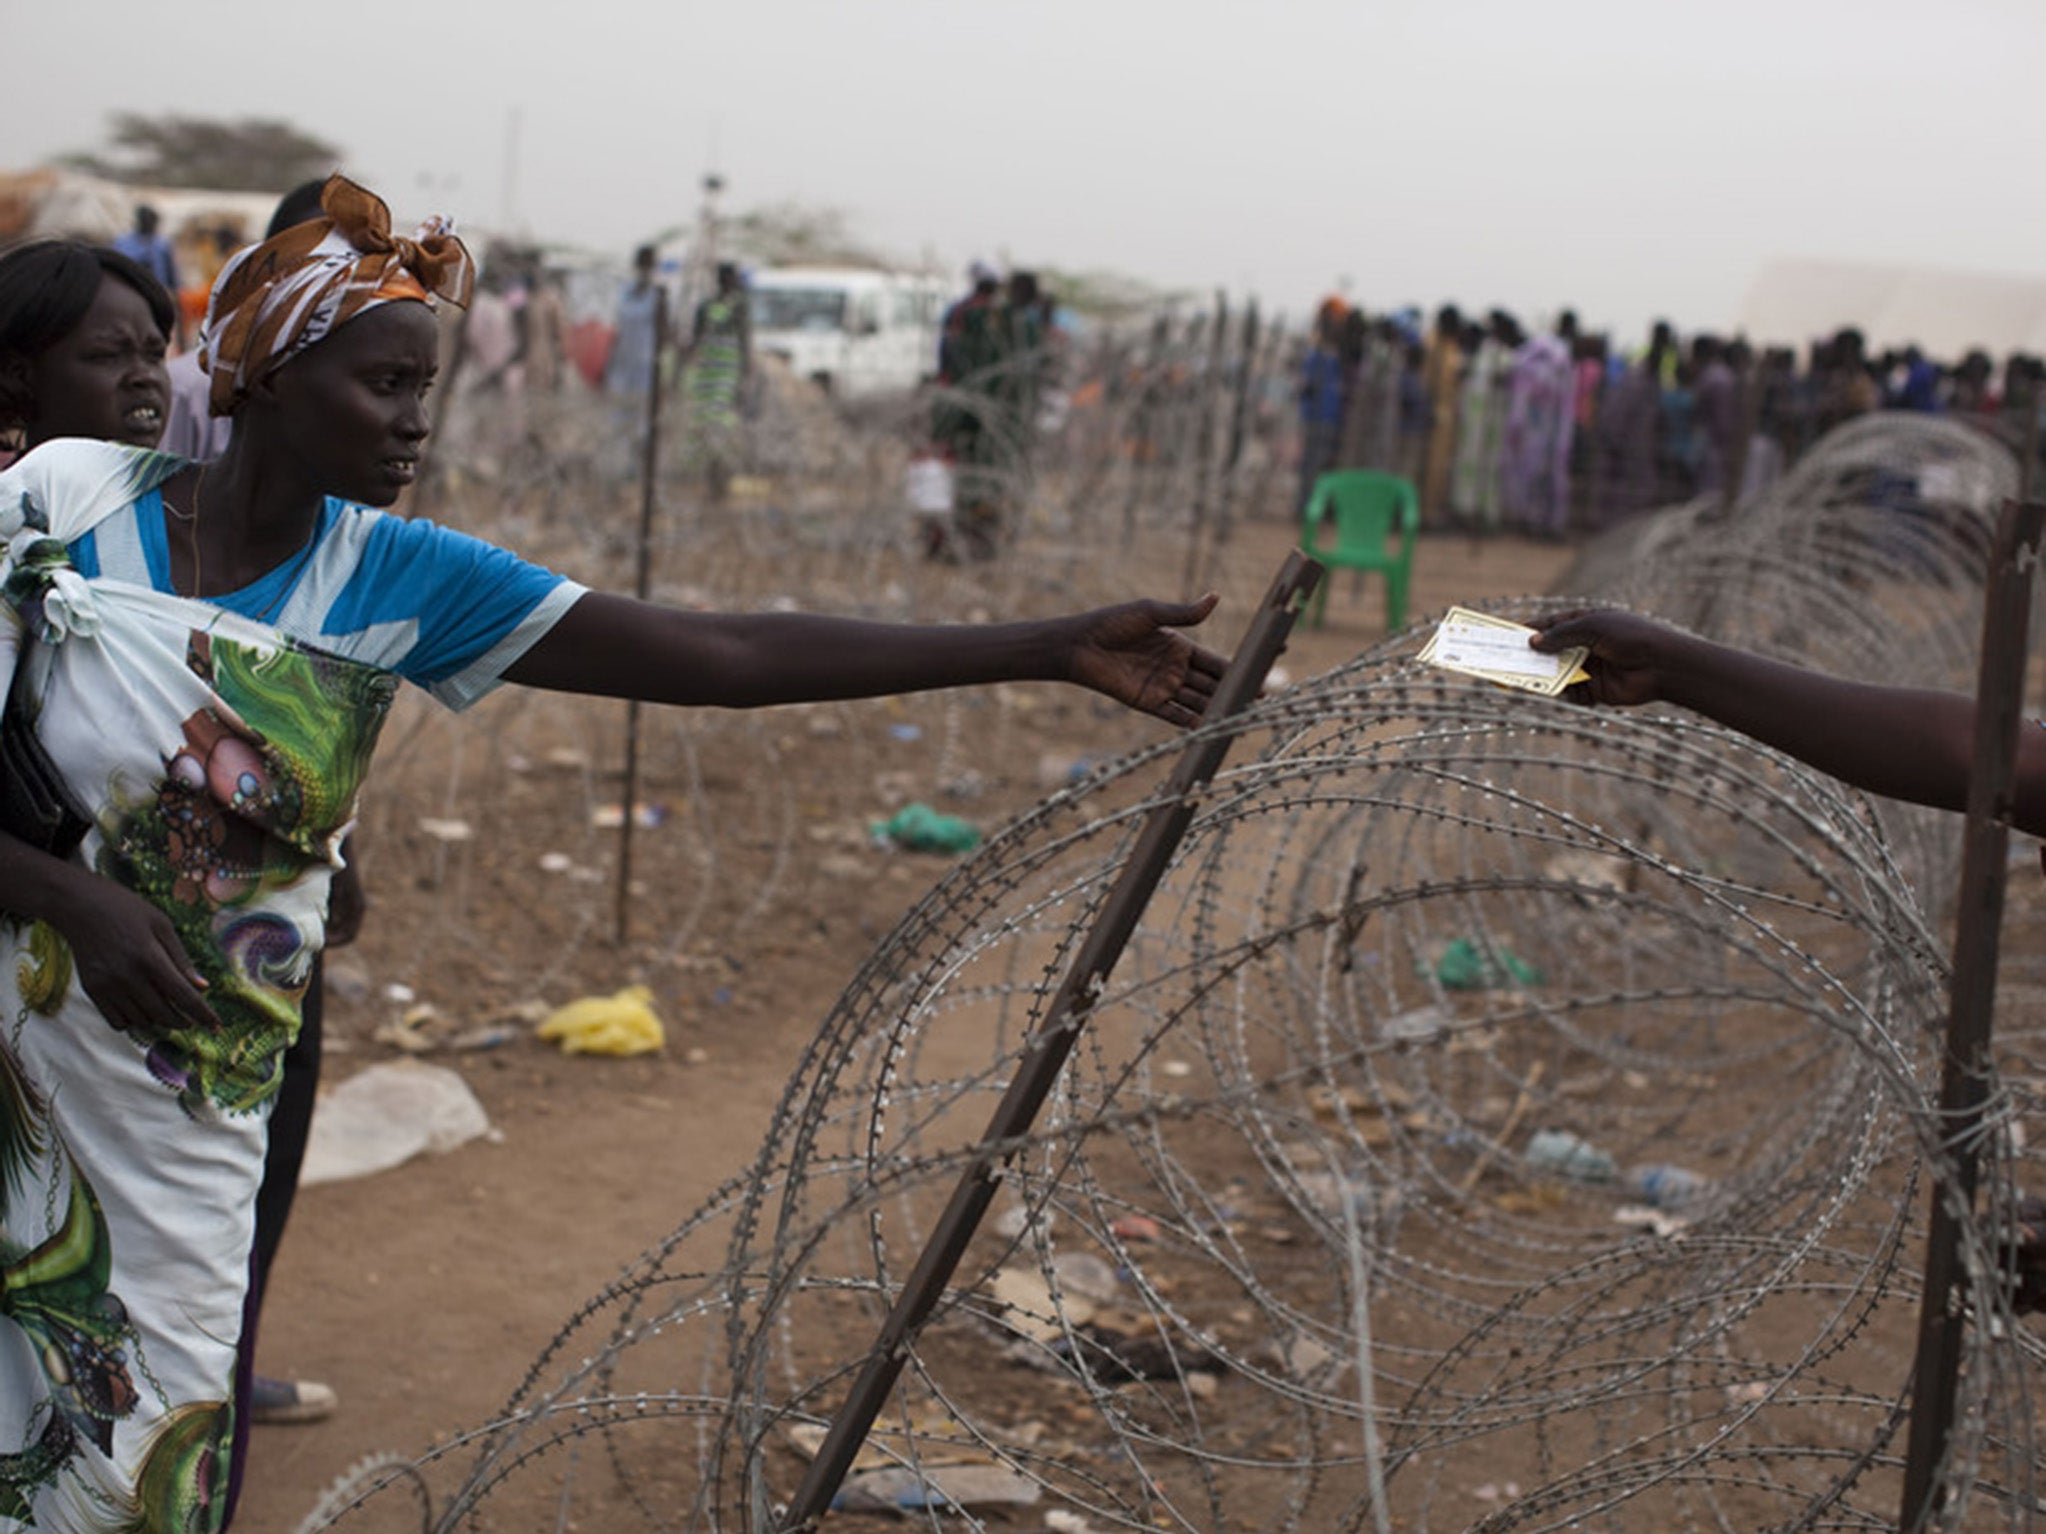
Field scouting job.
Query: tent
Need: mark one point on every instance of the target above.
(1945, 311)
(203, 226)
(39, 203)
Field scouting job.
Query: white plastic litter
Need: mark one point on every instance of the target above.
(387, 1114)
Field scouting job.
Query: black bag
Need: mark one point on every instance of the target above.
(34, 804)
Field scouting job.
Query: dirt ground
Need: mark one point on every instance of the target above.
(422, 1293)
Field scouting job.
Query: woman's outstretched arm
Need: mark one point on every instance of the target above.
(1914, 744)
(617, 647)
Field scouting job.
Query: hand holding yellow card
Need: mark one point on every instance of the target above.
(1495, 650)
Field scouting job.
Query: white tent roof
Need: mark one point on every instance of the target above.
(1945, 311)
(39, 203)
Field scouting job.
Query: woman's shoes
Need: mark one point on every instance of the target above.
(275, 1403)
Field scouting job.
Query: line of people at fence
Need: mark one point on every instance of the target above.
(1558, 433)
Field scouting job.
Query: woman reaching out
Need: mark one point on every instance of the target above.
(83, 332)
(1914, 744)
(201, 659)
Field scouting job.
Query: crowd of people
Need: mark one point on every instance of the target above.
(1559, 432)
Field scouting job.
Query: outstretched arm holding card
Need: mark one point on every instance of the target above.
(1904, 743)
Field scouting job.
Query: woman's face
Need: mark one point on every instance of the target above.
(106, 379)
(352, 408)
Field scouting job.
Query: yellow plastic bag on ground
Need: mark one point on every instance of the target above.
(623, 1024)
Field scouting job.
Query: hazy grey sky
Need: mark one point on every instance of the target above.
(1630, 157)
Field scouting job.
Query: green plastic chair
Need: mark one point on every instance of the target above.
(1376, 519)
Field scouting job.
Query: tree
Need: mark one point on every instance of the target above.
(250, 154)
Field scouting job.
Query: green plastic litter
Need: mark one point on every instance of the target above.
(1464, 966)
(919, 828)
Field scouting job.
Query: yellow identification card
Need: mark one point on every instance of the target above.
(1495, 650)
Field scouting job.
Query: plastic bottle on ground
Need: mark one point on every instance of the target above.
(1569, 1155)
(1666, 1187)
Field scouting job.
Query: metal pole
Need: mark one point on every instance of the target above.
(1964, 1077)
(1042, 1061)
(1225, 500)
(1143, 422)
(642, 585)
(1239, 409)
(1204, 444)
(514, 123)
(1271, 360)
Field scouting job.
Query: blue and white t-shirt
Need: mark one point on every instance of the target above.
(442, 609)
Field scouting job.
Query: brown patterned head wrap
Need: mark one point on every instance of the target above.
(275, 299)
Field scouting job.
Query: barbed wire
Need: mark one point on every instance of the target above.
(1507, 1115)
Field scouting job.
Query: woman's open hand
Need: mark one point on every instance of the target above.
(1134, 653)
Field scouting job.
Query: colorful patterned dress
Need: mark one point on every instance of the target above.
(712, 386)
(213, 758)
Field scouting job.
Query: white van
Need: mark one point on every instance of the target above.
(854, 333)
